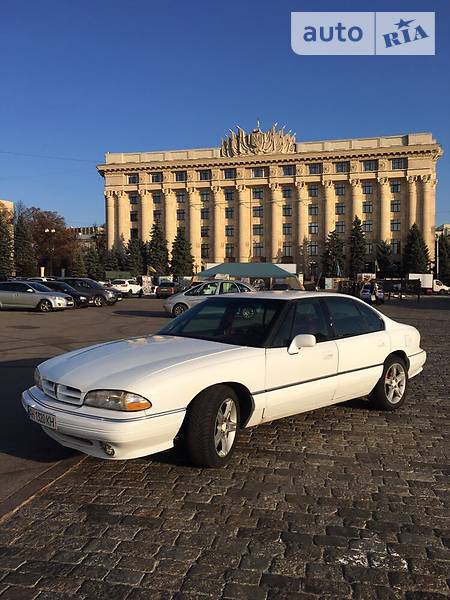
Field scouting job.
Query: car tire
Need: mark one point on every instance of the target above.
(99, 301)
(45, 306)
(212, 426)
(179, 309)
(390, 391)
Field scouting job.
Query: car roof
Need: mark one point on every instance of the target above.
(286, 295)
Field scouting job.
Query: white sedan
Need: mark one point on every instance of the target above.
(230, 362)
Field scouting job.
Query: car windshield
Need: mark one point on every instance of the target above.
(39, 287)
(92, 283)
(241, 322)
(62, 287)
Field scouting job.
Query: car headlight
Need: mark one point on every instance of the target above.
(37, 379)
(116, 400)
(109, 293)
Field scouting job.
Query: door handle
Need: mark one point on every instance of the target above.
(381, 344)
(327, 356)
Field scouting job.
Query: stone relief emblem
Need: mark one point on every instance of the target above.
(258, 142)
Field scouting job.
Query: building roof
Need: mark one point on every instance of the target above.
(246, 270)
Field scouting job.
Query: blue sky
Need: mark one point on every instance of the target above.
(79, 78)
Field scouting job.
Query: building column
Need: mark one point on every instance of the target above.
(301, 219)
(146, 214)
(110, 201)
(170, 217)
(428, 212)
(385, 210)
(276, 200)
(356, 200)
(412, 200)
(194, 233)
(218, 224)
(329, 208)
(244, 224)
(124, 216)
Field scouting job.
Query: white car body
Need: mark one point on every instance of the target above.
(171, 371)
(127, 286)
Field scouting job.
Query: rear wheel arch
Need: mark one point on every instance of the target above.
(400, 354)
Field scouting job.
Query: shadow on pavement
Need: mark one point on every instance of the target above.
(142, 313)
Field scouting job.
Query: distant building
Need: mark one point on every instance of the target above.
(89, 235)
(7, 206)
(443, 229)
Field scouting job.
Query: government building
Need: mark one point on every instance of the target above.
(263, 196)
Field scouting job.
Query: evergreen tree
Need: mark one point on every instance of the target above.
(110, 261)
(121, 254)
(92, 263)
(182, 263)
(444, 259)
(78, 268)
(416, 258)
(24, 253)
(333, 257)
(6, 244)
(157, 252)
(385, 260)
(134, 258)
(357, 249)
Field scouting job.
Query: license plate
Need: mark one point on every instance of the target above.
(43, 418)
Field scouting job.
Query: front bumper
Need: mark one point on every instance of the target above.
(129, 435)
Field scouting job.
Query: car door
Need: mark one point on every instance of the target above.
(362, 343)
(300, 382)
(205, 291)
(25, 298)
(7, 294)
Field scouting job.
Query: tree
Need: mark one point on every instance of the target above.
(134, 263)
(357, 249)
(416, 258)
(386, 265)
(77, 267)
(6, 243)
(110, 262)
(93, 268)
(444, 259)
(120, 254)
(182, 263)
(333, 256)
(24, 252)
(157, 252)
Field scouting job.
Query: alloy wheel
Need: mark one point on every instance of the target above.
(395, 383)
(225, 427)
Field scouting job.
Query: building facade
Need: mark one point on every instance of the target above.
(263, 196)
(89, 235)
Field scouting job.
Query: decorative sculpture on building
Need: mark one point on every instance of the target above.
(258, 142)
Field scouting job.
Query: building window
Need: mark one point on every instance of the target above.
(180, 176)
(157, 216)
(287, 192)
(204, 231)
(180, 197)
(258, 229)
(287, 249)
(312, 249)
(258, 249)
(156, 198)
(229, 230)
(229, 173)
(133, 178)
(395, 245)
(204, 250)
(134, 234)
(315, 169)
(259, 172)
(204, 195)
(370, 165)
(181, 215)
(342, 167)
(229, 212)
(367, 187)
(134, 199)
(258, 211)
(288, 170)
(313, 210)
(229, 250)
(287, 228)
(157, 177)
(229, 195)
(204, 175)
(367, 207)
(396, 187)
(395, 225)
(340, 208)
(133, 216)
(204, 213)
(339, 189)
(398, 163)
(287, 210)
(257, 194)
(340, 226)
(367, 226)
(313, 191)
(369, 247)
(395, 206)
(313, 228)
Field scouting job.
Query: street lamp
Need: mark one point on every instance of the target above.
(51, 247)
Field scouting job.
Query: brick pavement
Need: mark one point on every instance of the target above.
(344, 502)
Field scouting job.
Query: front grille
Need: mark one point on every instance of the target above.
(61, 392)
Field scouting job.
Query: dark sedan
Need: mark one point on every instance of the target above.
(100, 294)
(82, 299)
(166, 289)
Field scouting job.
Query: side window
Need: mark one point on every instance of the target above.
(228, 287)
(209, 289)
(193, 291)
(283, 337)
(6, 287)
(346, 319)
(19, 287)
(242, 287)
(309, 318)
(373, 321)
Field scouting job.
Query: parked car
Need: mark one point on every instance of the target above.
(31, 294)
(281, 287)
(364, 294)
(181, 302)
(237, 360)
(82, 299)
(100, 294)
(128, 287)
(166, 289)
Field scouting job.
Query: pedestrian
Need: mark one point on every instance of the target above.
(373, 292)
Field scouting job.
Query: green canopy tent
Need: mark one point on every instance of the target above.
(247, 270)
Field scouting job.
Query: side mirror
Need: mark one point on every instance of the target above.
(304, 340)
(30, 290)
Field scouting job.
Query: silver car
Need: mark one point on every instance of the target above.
(31, 294)
(179, 303)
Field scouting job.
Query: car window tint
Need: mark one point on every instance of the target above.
(6, 287)
(19, 287)
(193, 291)
(373, 321)
(228, 287)
(346, 319)
(309, 318)
(209, 289)
(283, 337)
(242, 287)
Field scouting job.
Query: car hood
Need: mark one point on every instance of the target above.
(124, 363)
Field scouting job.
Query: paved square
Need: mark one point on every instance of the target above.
(343, 502)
